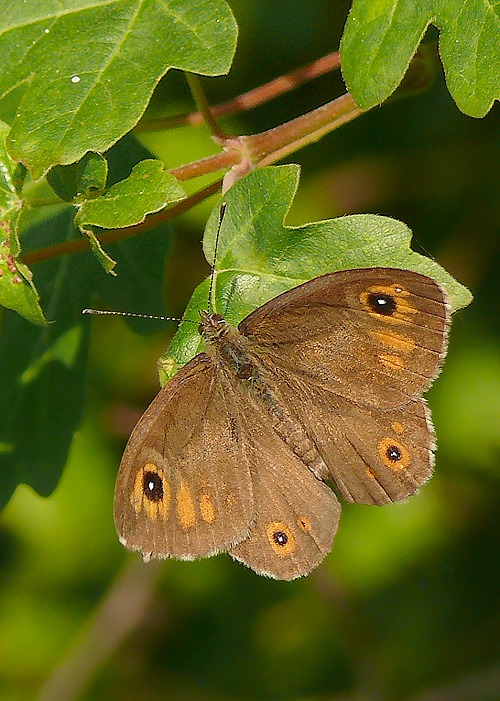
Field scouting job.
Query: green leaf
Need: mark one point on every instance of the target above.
(43, 370)
(17, 291)
(470, 50)
(258, 257)
(89, 69)
(83, 178)
(381, 37)
(148, 189)
(42, 379)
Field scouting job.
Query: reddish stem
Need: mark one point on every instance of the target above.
(252, 98)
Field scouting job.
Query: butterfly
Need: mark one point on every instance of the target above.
(321, 385)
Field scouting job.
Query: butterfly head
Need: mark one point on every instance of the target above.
(213, 326)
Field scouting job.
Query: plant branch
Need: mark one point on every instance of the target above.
(252, 98)
(107, 237)
(209, 164)
(246, 152)
(274, 144)
(201, 102)
(123, 609)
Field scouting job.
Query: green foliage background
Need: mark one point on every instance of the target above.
(406, 605)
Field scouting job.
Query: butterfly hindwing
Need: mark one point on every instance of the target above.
(372, 456)
(296, 513)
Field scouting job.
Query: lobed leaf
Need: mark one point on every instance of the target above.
(258, 257)
(381, 37)
(78, 74)
(148, 189)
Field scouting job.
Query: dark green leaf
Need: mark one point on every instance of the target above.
(79, 179)
(42, 379)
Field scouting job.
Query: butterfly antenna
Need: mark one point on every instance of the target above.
(107, 312)
(222, 211)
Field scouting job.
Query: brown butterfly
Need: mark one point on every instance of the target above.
(322, 383)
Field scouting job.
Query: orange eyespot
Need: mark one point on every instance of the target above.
(280, 538)
(393, 454)
(388, 303)
(304, 524)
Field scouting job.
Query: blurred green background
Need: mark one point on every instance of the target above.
(407, 604)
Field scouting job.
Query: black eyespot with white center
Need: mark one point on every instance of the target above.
(280, 538)
(152, 486)
(382, 303)
(393, 453)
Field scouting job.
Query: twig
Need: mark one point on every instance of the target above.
(107, 237)
(121, 611)
(204, 109)
(252, 98)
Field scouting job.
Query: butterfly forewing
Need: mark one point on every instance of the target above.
(184, 487)
(375, 336)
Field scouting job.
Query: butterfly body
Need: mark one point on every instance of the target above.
(230, 352)
(322, 382)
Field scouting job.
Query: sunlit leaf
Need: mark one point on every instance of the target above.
(381, 36)
(88, 69)
(258, 257)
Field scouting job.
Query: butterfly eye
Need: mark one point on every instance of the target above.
(382, 303)
(152, 486)
(245, 371)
